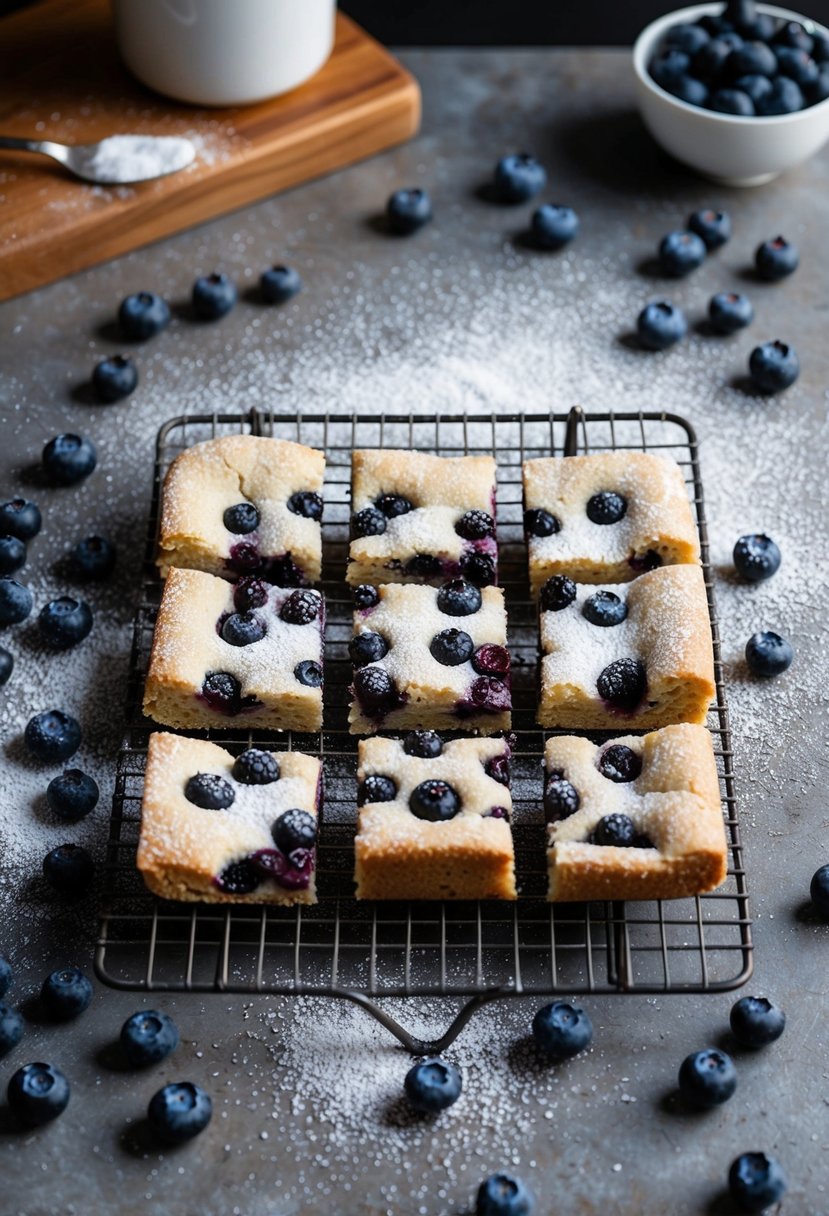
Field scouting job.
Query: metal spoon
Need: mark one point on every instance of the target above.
(116, 160)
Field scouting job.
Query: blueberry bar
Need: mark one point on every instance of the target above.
(606, 518)
(638, 817)
(430, 657)
(434, 819)
(223, 829)
(224, 651)
(635, 654)
(421, 518)
(244, 505)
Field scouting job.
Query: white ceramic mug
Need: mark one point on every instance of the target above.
(224, 52)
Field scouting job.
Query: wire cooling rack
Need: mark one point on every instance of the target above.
(366, 951)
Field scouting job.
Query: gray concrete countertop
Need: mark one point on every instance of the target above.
(462, 317)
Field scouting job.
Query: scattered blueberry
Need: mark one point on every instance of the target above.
(143, 315)
(72, 795)
(538, 522)
(15, 601)
(604, 608)
(377, 788)
(250, 593)
(519, 178)
(752, 59)
(423, 566)
(6, 975)
(20, 518)
(375, 690)
(458, 598)
(256, 767)
(732, 101)
(243, 629)
(755, 1021)
(561, 799)
(367, 648)
(52, 736)
(784, 97)
(451, 647)
(306, 503)
(239, 878)
(114, 378)
(434, 801)
(69, 869)
(478, 568)
(366, 596)
(178, 1112)
(756, 1181)
(222, 692)
(491, 660)
(819, 891)
(707, 1078)
(503, 1195)
(408, 210)
(368, 522)
(66, 993)
(475, 525)
(756, 557)
(660, 324)
(616, 830)
(729, 311)
(562, 1030)
(301, 607)
(64, 622)
(498, 768)
(433, 1085)
(606, 507)
(309, 673)
(620, 763)
(92, 558)
(768, 654)
(241, 519)
(426, 744)
(774, 366)
(12, 554)
(38, 1093)
(213, 296)
(558, 593)
(210, 792)
(148, 1037)
(11, 1028)
(6, 665)
(623, 683)
(553, 226)
(680, 253)
(68, 459)
(279, 284)
(775, 259)
(294, 829)
(393, 505)
(797, 66)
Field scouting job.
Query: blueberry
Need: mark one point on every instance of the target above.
(561, 799)
(64, 622)
(249, 593)
(365, 596)
(776, 259)
(688, 89)
(558, 593)
(620, 763)
(562, 1030)
(52, 736)
(606, 507)
(784, 97)
(503, 1195)
(279, 284)
(241, 519)
(660, 324)
(604, 608)
(433, 1085)
(301, 607)
(671, 66)
(758, 88)
(538, 522)
(143, 315)
(709, 63)
(6, 975)
(623, 683)
(519, 177)
(498, 768)
(819, 891)
(615, 830)
(11, 1029)
(376, 788)
(475, 525)
(6, 665)
(309, 673)
(375, 690)
(752, 59)
(38, 1093)
(66, 993)
(491, 660)
(761, 27)
(20, 518)
(15, 601)
(715, 24)
(756, 1181)
(294, 829)
(774, 366)
(731, 101)
(487, 694)
(426, 744)
(210, 792)
(451, 647)
(243, 629)
(792, 33)
(768, 654)
(756, 557)
(819, 91)
(367, 648)
(393, 505)
(69, 869)
(458, 598)
(92, 558)
(213, 296)
(408, 210)
(72, 795)
(256, 767)
(12, 554)
(178, 1112)
(729, 311)
(68, 459)
(238, 878)
(306, 503)
(755, 1021)
(434, 801)
(707, 1078)
(368, 522)
(478, 568)
(423, 566)
(553, 226)
(222, 692)
(680, 253)
(797, 66)
(820, 47)
(114, 378)
(686, 38)
(148, 1037)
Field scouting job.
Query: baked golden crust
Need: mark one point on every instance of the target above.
(399, 856)
(442, 489)
(674, 802)
(187, 646)
(209, 477)
(183, 848)
(667, 627)
(657, 524)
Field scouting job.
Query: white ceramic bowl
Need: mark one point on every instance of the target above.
(735, 151)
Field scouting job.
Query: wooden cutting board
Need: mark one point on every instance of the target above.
(62, 79)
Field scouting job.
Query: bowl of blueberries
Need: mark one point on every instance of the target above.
(740, 92)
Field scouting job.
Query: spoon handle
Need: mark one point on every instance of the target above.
(22, 145)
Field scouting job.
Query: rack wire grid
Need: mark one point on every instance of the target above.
(365, 951)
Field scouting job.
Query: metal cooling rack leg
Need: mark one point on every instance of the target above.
(427, 1047)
